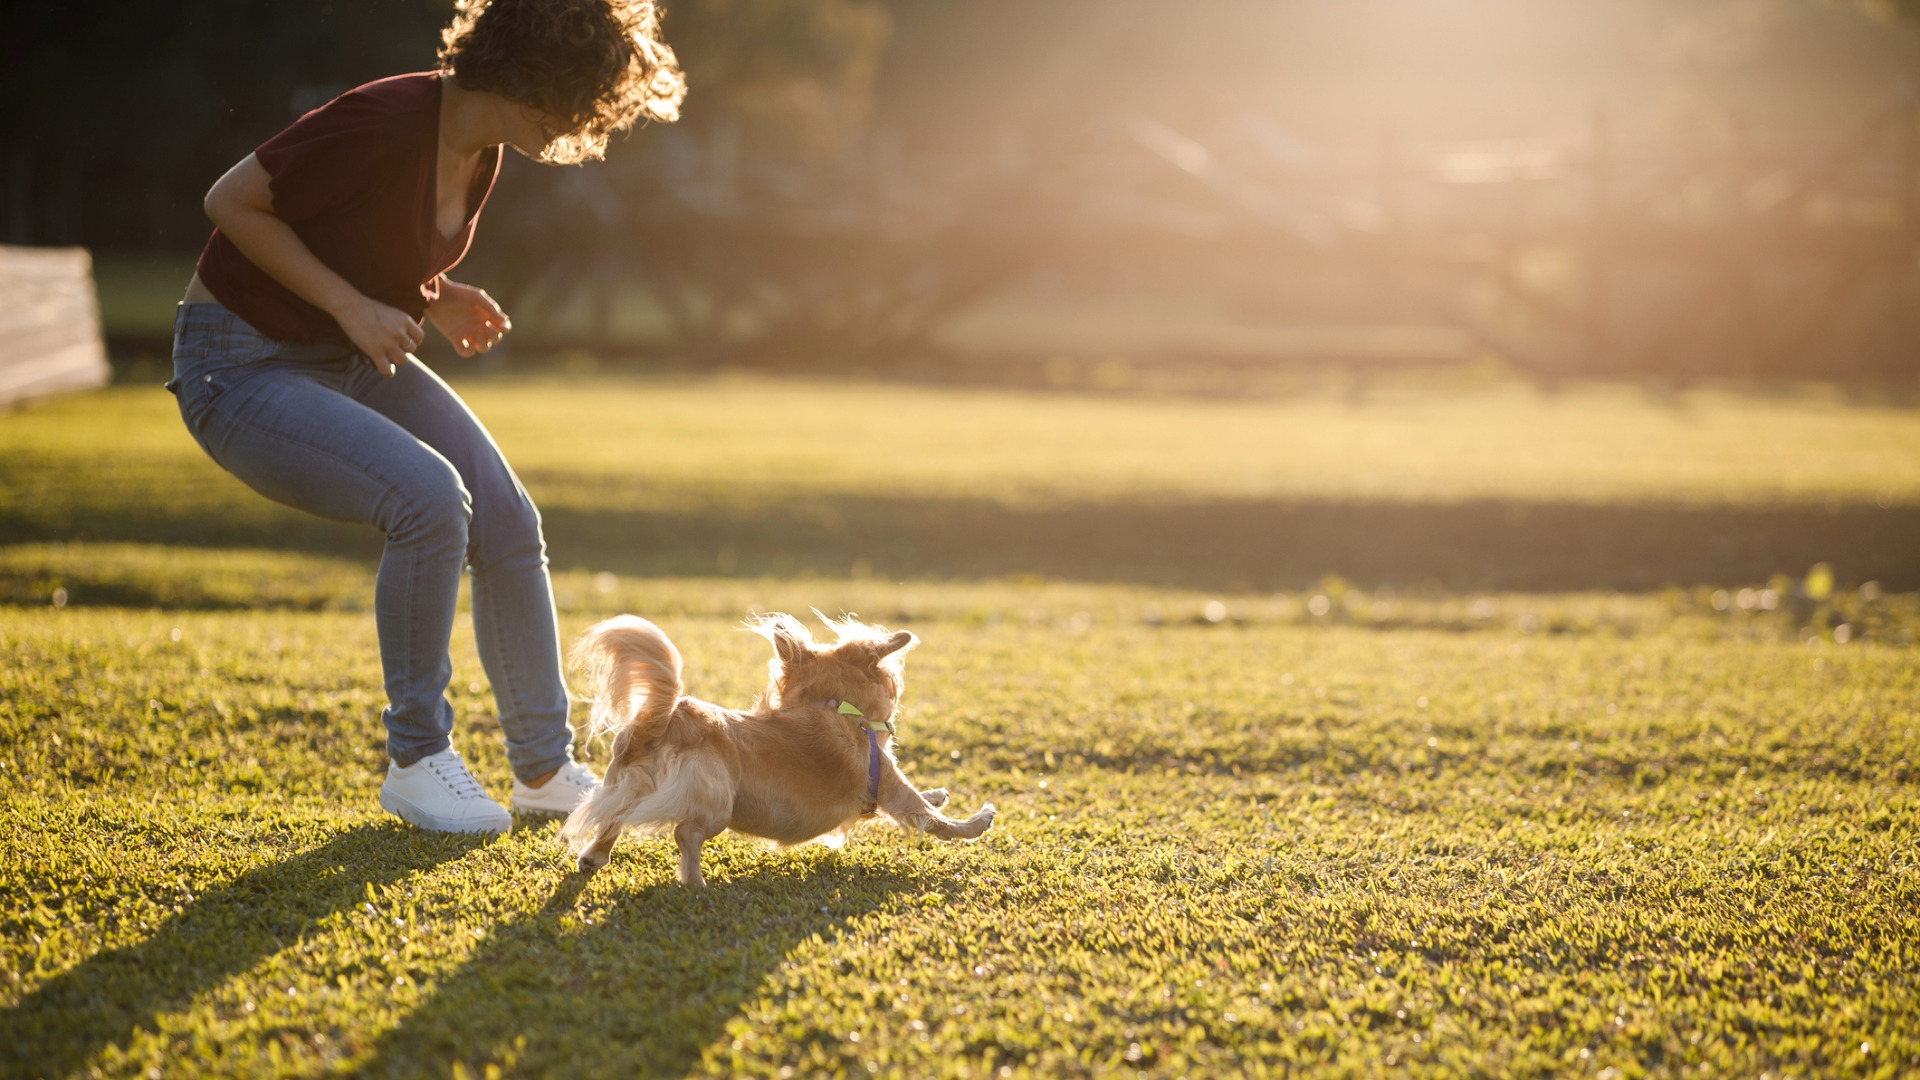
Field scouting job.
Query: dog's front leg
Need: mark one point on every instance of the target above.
(918, 810)
(691, 835)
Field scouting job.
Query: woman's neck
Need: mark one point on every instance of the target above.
(470, 120)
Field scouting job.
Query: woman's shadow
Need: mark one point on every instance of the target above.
(629, 981)
(218, 935)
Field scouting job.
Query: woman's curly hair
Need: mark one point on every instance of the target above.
(592, 66)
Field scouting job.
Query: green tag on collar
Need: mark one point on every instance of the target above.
(848, 708)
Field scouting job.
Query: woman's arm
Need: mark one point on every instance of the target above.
(241, 205)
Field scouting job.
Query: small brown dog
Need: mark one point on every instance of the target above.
(810, 759)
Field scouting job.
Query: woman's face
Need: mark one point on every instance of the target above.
(530, 130)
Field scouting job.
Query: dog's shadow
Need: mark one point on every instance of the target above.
(225, 931)
(613, 979)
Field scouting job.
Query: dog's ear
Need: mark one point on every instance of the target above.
(792, 644)
(899, 642)
(789, 637)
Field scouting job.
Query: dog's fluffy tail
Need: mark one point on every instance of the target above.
(635, 673)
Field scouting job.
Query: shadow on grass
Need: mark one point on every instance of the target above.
(1202, 544)
(1255, 544)
(224, 932)
(627, 983)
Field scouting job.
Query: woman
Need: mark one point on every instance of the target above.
(293, 365)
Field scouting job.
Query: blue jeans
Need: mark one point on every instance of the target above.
(318, 428)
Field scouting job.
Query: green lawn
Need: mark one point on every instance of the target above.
(729, 439)
(1431, 831)
(1222, 849)
(1498, 488)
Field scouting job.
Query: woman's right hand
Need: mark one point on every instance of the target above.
(385, 335)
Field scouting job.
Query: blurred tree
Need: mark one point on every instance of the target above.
(132, 110)
(780, 93)
(1905, 9)
(797, 72)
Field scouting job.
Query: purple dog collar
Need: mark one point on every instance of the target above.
(873, 753)
(873, 770)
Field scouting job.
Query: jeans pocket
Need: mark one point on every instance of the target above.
(199, 388)
(196, 406)
(212, 351)
(201, 405)
(190, 348)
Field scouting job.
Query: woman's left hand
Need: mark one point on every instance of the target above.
(468, 317)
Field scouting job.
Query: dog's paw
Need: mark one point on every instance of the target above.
(980, 822)
(588, 862)
(936, 798)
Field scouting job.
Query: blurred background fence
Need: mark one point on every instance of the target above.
(1099, 192)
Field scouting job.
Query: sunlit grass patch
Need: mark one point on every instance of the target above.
(1598, 444)
(696, 441)
(186, 579)
(1224, 849)
(1300, 823)
(1503, 489)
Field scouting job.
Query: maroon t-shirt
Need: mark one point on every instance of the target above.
(356, 180)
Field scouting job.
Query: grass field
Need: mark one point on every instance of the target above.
(1351, 827)
(1499, 488)
(707, 440)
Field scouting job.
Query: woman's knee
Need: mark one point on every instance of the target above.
(507, 530)
(432, 507)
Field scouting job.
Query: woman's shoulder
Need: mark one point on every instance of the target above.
(374, 135)
(393, 115)
(417, 91)
(397, 99)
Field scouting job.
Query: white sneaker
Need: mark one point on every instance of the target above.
(438, 793)
(562, 792)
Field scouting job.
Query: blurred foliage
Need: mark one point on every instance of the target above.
(117, 153)
(897, 185)
(133, 110)
(791, 71)
(1903, 9)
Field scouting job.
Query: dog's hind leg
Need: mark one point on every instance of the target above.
(691, 835)
(601, 850)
